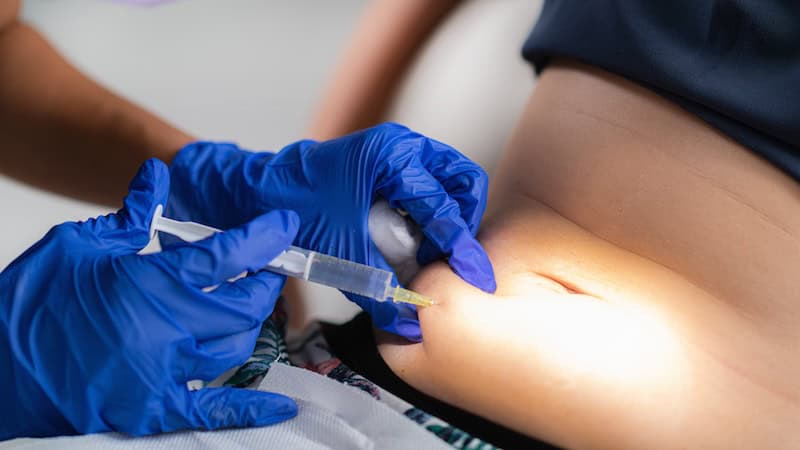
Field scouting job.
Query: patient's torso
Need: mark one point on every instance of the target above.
(694, 210)
(636, 170)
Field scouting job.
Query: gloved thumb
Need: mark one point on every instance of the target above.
(130, 226)
(224, 407)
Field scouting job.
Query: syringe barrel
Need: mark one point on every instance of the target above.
(338, 273)
(298, 262)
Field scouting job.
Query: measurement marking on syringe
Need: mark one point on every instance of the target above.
(309, 260)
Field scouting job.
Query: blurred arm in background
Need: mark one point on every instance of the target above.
(63, 132)
(383, 46)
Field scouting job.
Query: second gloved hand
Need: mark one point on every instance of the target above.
(95, 337)
(332, 186)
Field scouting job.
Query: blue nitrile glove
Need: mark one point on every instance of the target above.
(94, 337)
(332, 186)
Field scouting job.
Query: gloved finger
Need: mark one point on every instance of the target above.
(397, 318)
(411, 187)
(466, 182)
(468, 260)
(236, 306)
(221, 354)
(207, 360)
(232, 350)
(252, 298)
(129, 228)
(224, 407)
(190, 171)
(225, 255)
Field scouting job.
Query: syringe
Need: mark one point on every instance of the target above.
(308, 265)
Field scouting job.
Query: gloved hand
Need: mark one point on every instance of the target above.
(332, 185)
(94, 337)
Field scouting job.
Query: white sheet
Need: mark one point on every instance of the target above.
(331, 416)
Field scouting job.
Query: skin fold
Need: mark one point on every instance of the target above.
(646, 296)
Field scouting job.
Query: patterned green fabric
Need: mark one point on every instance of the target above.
(452, 435)
(270, 347)
(311, 351)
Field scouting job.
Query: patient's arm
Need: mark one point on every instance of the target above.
(383, 46)
(57, 126)
(629, 312)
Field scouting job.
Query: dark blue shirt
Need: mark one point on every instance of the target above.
(733, 63)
